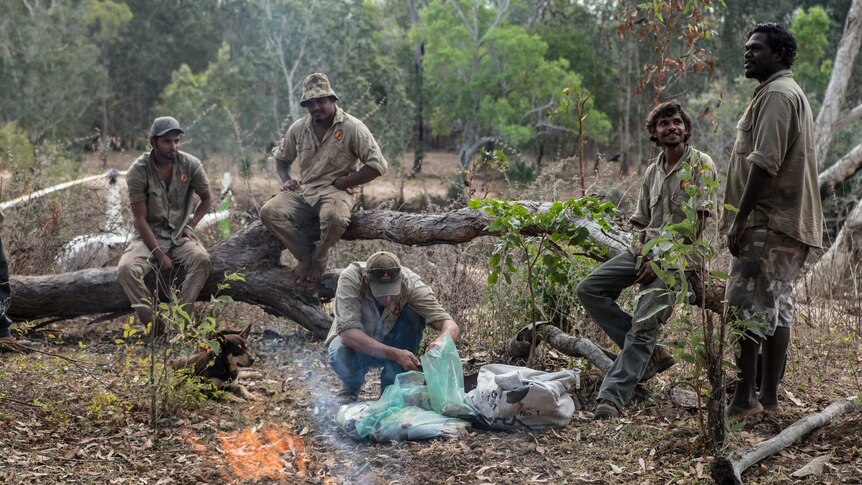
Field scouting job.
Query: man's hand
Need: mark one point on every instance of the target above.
(646, 275)
(166, 265)
(638, 249)
(734, 237)
(341, 183)
(404, 358)
(189, 233)
(291, 185)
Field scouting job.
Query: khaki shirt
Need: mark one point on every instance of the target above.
(662, 195)
(168, 208)
(321, 162)
(355, 306)
(776, 133)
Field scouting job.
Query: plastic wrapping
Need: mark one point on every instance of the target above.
(444, 376)
(411, 409)
(509, 397)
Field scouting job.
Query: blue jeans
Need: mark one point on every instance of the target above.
(351, 366)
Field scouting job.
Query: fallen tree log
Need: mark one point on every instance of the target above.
(726, 471)
(602, 359)
(255, 252)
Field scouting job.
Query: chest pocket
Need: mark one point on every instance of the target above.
(744, 137)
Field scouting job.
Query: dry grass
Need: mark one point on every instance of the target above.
(57, 423)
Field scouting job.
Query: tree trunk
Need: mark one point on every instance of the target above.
(831, 267)
(842, 68)
(418, 54)
(840, 171)
(838, 259)
(255, 252)
(727, 471)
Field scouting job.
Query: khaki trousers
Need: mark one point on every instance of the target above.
(307, 231)
(137, 262)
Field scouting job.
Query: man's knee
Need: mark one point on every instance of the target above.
(586, 291)
(129, 273)
(270, 214)
(200, 260)
(334, 219)
(344, 361)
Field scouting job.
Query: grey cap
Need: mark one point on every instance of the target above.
(384, 274)
(164, 125)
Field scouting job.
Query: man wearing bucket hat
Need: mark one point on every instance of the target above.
(381, 310)
(312, 210)
(162, 184)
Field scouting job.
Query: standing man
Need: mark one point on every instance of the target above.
(162, 184)
(661, 201)
(312, 211)
(772, 180)
(381, 310)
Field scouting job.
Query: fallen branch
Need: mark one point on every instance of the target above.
(726, 471)
(602, 359)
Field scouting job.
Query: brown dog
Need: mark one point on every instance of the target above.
(223, 368)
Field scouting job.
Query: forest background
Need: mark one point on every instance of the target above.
(424, 75)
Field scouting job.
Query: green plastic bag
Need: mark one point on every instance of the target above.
(444, 377)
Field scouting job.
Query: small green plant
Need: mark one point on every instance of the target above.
(536, 239)
(169, 389)
(682, 258)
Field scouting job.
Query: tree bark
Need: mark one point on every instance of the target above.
(727, 471)
(842, 68)
(830, 268)
(519, 346)
(843, 169)
(255, 252)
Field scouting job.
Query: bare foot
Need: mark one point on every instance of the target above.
(299, 273)
(315, 274)
(736, 414)
(772, 407)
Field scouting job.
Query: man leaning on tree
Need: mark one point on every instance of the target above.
(661, 200)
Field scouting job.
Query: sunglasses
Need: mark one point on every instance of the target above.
(379, 274)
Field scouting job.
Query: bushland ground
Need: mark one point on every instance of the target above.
(77, 408)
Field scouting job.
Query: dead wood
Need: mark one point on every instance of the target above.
(729, 470)
(602, 359)
(255, 252)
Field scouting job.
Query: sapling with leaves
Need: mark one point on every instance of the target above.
(537, 241)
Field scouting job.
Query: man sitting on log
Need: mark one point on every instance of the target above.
(661, 201)
(162, 184)
(381, 310)
(312, 211)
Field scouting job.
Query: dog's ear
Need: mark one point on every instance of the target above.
(246, 332)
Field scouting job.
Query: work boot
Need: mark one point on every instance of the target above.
(660, 361)
(605, 410)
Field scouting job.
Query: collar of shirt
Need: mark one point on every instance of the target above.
(779, 74)
(685, 156)
(337, 120)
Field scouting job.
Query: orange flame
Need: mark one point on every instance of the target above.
(254, 454)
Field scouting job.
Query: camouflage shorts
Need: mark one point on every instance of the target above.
(761, 278)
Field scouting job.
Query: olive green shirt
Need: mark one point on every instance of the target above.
(355, 306)
(168, 208)
(663, 194)
(321, 162)
(776, 133)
